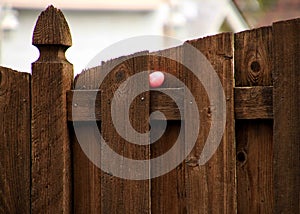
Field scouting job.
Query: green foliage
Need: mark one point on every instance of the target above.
(265, 4)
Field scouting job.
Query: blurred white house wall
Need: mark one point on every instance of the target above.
(91, 30)
(96, 24)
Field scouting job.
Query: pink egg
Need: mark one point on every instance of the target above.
(156, 79)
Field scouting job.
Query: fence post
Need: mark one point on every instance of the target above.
(52, 76)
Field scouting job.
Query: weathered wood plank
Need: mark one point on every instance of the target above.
(253, 67)
(14, 141)
(159, 101)
(211, 188)
(250, 103)
(96, 190)
(120, 195)
(253, 102)
(85, 108)
(253, 165)
(168, 190)
(286, 43)
(52, 77)
(86, 175)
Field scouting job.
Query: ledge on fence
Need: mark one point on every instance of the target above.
(250, 103)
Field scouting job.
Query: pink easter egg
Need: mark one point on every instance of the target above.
(156, 79)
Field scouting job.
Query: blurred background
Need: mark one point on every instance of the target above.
(97, 24)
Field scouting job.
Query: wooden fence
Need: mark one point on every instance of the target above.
(254, 170)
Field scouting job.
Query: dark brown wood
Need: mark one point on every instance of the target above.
(96, 190)
(286, 43)
(52, 77)
(254, 165)
(120, 195)
(211, 188)
(167, 191)
(253, 102)
(159, 101)
(254, 64)
(85, 108)
(250, 103)
(253, 67)
(86, 175)
(52, 29)
(14, 141)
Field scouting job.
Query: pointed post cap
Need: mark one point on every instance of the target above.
(51, 29)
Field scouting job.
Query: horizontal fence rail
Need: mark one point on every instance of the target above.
(254, 102)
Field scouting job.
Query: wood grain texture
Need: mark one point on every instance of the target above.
(254, 169)
(170, 107)
(286, 74)
(167, 191)
(253, 50)
(124, 195)
(253, 102)
(253, 67)
(211, 188)
(52, 77)
(14, 141)
(86, 175)
(96, 190)
(82, 107)
(52, 29)
(250, 103)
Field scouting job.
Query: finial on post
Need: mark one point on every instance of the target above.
(52, 35)
(52, 29)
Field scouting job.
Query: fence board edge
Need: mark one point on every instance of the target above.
(286, 97)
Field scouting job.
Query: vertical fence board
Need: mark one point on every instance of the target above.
(52, 76)
(253, 57)
(86, 175)
(14, 141)
(168, 190)
(253, 67)
(254, 166)
(210, 188)
(124, 195)
(286, 96)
